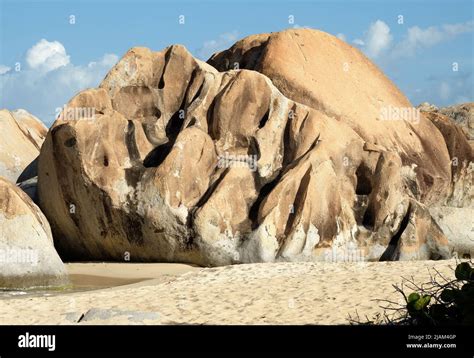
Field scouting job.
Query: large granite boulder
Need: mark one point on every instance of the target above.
(319, 70)
(455, 215)
(27, 255)
(462, 114)
(172, 160)
(22, 135)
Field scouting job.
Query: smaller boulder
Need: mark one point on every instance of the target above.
(21, 138)
(27, 254)
(461, 114)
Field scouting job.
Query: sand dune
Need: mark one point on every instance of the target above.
(276, 293)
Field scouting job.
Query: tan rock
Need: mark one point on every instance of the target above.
(31, 126)
(462, 160)
(458, 226)
(455, 216)
(22, 135)
(325, 73)
(180, 162)
(463, 115)
(27, 254)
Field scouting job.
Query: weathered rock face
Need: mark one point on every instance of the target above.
(306, 67)
(462, 161)
(461, 114)
(27, 254)
(22, 135)
(455, 215)
(176, 161)
(31, 126)
(325, 73)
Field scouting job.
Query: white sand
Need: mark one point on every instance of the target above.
(278, 293)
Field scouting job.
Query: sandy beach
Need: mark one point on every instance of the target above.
(271, 293)
(87, 276)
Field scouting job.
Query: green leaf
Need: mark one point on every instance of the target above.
(413, 297)
(422, 302)
(416, 305)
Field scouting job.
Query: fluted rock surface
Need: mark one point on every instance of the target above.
(176, 161)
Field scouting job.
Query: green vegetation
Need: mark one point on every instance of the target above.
(441, 301)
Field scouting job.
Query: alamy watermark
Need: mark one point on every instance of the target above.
(237, 161)
(28, 340)
(350, 253)
(392, 113)
(19, 256)
(66, 113)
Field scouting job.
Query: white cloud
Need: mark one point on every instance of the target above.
(49, 82)
(4, 69)
(417, 38)
(458, 29)
(377, 39)
(440, 90)
(86, 76)
(341, 36)
(444, 91)
(47, 56)
(223, 42)
(109, 59)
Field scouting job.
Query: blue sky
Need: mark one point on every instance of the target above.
(58, 58)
